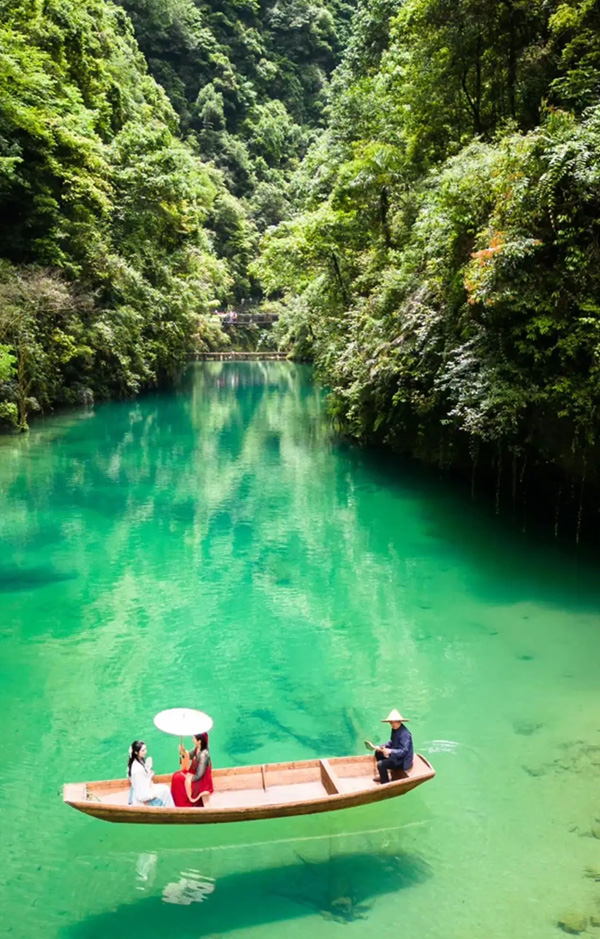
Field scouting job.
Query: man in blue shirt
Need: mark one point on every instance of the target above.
(397, 753)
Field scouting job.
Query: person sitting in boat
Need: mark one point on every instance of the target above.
(397, 753)
(143, 790)
(194, 779)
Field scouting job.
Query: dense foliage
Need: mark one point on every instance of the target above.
(130, 211)
(107, 266)
(444, 270)
(248, 80)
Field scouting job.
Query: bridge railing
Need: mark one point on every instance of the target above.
(233, 318)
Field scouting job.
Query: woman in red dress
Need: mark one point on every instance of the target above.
(194, 779)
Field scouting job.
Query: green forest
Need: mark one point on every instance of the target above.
(144, 149)
(412, 185)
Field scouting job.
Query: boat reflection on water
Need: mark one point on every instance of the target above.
(192, 887)
(145, 868)
(324, 878)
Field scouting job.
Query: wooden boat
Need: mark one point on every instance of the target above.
(244, 793)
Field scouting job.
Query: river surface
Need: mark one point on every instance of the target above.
(218, 547)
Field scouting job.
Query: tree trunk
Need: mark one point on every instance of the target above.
(23, 387)
(339, 278)
(512, 59)
(384, 206)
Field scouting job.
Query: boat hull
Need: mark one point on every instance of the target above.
(251, 793)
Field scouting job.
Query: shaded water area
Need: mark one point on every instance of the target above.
(218, 546)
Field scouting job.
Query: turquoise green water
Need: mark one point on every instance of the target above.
(218, 547)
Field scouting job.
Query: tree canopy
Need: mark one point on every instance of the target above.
(442, 267)
(143, 148)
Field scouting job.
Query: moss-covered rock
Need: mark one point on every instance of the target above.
(573, 922)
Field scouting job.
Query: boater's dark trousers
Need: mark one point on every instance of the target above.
(383, 765)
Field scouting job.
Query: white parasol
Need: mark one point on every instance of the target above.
(183, 722)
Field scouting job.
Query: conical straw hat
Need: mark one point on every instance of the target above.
(394, 716)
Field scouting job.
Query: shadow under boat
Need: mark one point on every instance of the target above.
(341, 889)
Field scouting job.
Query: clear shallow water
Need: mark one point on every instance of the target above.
(217, 546)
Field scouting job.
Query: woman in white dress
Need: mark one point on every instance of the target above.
(143, 790)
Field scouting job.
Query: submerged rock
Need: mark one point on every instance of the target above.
(526, 728)
(573, 922)
(534, 770)
(345, 910)
(342, 904)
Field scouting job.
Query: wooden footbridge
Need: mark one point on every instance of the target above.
(232, 318)
(228, 356)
